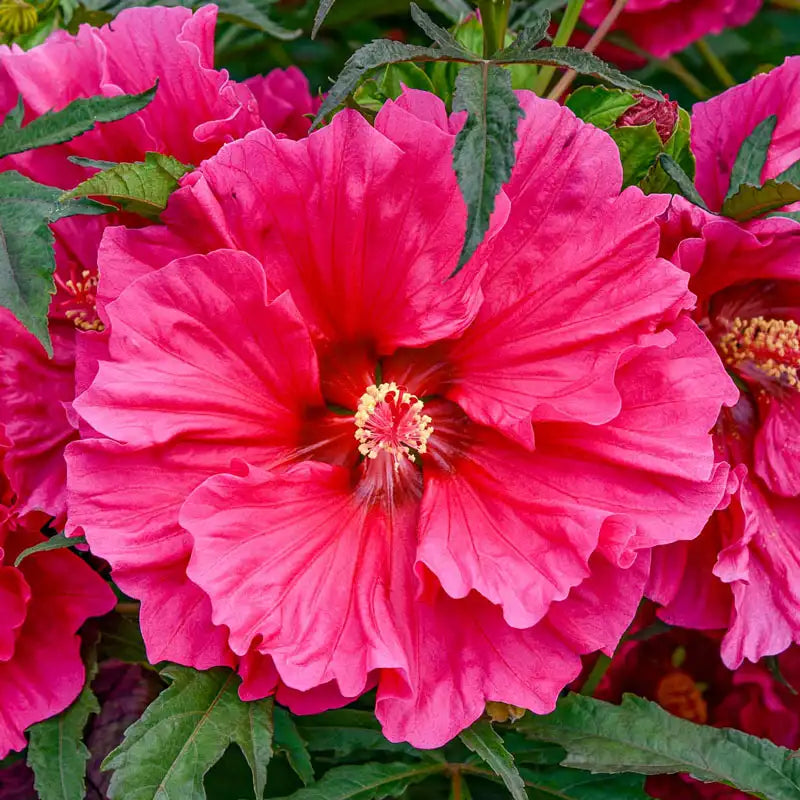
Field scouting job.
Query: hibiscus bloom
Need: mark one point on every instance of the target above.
(743, 573)
(662, 27)
(196, 110)
(319, 456)
(681, 671)
(43, 602)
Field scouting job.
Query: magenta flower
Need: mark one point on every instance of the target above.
(43, 602)
(743, 573)
(662, 27)
(197, 109)
(320, 457)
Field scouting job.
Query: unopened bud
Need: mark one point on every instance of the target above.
(663, 113)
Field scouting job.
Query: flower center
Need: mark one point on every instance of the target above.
(391, 420)
(81, 297)
(681, 696)
(760, 348)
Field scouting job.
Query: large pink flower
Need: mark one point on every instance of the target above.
(196, 110)
(663, 27)
(743, 573)
(43, 602)
(321, 456)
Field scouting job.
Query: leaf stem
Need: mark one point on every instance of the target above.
(597, 37)
(567, 25)
(596, 675)
(494, 16)
(698, 89)
(714, 61)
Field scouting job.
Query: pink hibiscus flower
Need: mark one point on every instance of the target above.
(43, 602)
(681, 671)
(662, 27)
(196, 110)
(320, 456)
(743, 573)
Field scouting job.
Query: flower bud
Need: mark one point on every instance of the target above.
(663, 113)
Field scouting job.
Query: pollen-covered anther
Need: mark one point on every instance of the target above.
(390, 420)
(81, 291)
(760, 347)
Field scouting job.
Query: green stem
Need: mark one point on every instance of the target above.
(494, 15)
(717, 67)
(698, 89)
(568, 22)
(596, 675)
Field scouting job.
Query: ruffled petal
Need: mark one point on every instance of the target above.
(298, 569)
(573, 281)
(777, 445)
(284, 101)
(209, 360)
(14, 597)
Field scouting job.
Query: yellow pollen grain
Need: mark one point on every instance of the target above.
(770, 345)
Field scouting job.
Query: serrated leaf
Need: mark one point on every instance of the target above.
(439, 35)
(639, 148)
(483, 740)
(484, 152)
(140, 187)
(366, 782)
(562, 783)
(599, 106)
(790, 175)
(682, 180)
(121, 639)
(184, 732)
(289, 741)
(322, 11)
(55, 127)
(372, 56)
(752, 156)
(527, 39)
(92, 163)
(57, 754)
(582, 62)
(57, 542)
(750, 201)
(454, 10)
(27, 261)
(346, 731)
(639, 736)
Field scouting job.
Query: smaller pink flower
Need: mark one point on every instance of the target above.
(43, 602)
(284, 101)
(663, 27)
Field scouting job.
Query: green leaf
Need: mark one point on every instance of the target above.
(682, 180)
(346, 731)
(373, 56)
(528, 38)
(582, 62)
(57, 542)
(454, 10)
(562, 783)
(442, 37)
(788, 214)
(751, 201)
(790, 175)
(56, 752)
(140, 187)
(388, 85)
(485, 742)
(55, 127)
(484, 153)
(678, 148)
(121, 638)
(322, 11)
(92, 163)
(27, 261)
(752, 156)
(184, 732)
(366, 782)
(639, 736)
(639, 148)
(599, 106)
(289, 741)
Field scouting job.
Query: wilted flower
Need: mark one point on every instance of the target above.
(320, 455)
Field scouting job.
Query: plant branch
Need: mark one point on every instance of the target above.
(597, 37)
(562, 37)
(713, 60)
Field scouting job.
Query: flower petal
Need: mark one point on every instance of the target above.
(777, 444)
(298, 569)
